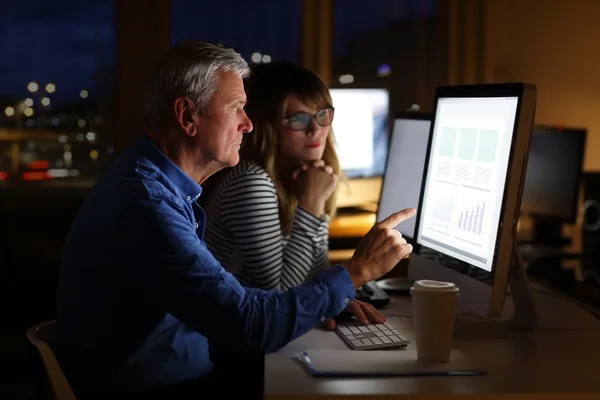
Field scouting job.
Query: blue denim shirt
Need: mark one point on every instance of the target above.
(140, 295)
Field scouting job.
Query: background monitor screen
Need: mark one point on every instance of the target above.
(360, 127)
(553, 173)
(466, 175)
(403, 176)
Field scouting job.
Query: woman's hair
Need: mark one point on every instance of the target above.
(268, 88)
(189, 69)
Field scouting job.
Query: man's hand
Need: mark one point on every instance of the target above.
(380, 250)
(365, 313)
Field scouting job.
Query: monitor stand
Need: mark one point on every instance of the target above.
(524, 318)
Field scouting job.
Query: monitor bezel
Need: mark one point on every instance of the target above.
(511, 197)
(389, 124)
(566, 130)
(406, 115)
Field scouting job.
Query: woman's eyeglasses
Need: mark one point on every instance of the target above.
(301, 121)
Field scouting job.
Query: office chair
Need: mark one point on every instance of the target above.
(42, 337)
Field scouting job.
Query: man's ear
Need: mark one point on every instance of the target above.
(185, 112)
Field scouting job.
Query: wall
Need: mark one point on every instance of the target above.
(555, 45)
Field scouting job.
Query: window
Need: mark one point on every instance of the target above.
(56, 84)
(261, 31)
(387, 44)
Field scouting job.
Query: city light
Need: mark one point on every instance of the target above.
(45, 101)
(28, 102)
(9, 111)
(256, 57)
(266, 58)
(50, 88)
(83, 94)
(384, 70)
(345, 79)
(33, 87)
(28, 112)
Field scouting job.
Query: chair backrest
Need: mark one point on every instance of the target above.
(42, 337)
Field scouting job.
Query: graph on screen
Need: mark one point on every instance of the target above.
(443, 207)
(459, 198)
(471, 214)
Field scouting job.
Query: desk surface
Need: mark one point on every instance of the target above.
(352, 226)
(560, 358)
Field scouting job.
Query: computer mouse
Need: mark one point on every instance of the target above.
(398, 285)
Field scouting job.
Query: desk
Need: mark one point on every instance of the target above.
(351, 226)
(546, 364)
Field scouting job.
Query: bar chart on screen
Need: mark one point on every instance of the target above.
(471, 214)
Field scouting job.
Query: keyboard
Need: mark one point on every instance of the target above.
(371, 293)
(370, 337)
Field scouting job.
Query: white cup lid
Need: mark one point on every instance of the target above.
(434, 286)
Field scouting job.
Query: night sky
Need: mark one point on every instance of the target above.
(64, 41)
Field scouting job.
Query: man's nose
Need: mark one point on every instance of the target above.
(247, 124)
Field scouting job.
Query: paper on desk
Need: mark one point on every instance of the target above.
(384, 363)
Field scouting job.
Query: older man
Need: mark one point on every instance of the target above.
(140, 296)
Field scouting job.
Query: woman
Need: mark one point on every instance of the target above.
(268, 217)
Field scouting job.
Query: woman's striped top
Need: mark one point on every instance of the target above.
(243, 231)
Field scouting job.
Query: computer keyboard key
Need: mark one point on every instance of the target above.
(345, 330)
(374, 336)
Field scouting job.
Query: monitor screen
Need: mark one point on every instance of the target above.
(553, 172)
(465, 180)
(401, 187)
(360, 127)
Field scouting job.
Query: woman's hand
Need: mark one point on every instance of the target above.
(315, 184)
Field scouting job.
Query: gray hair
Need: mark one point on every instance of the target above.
(190, 69)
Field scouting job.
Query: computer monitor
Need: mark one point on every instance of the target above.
(403, 177)
(361, 130)
(552, 181)
(470, 200)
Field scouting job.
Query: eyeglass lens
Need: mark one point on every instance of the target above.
(302, 121)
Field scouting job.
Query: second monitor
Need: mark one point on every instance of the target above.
(402, 181)
(361, 130)
(552, 182)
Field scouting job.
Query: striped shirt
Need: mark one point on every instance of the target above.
(243, 231)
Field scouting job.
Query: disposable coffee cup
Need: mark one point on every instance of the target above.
(434, 304)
